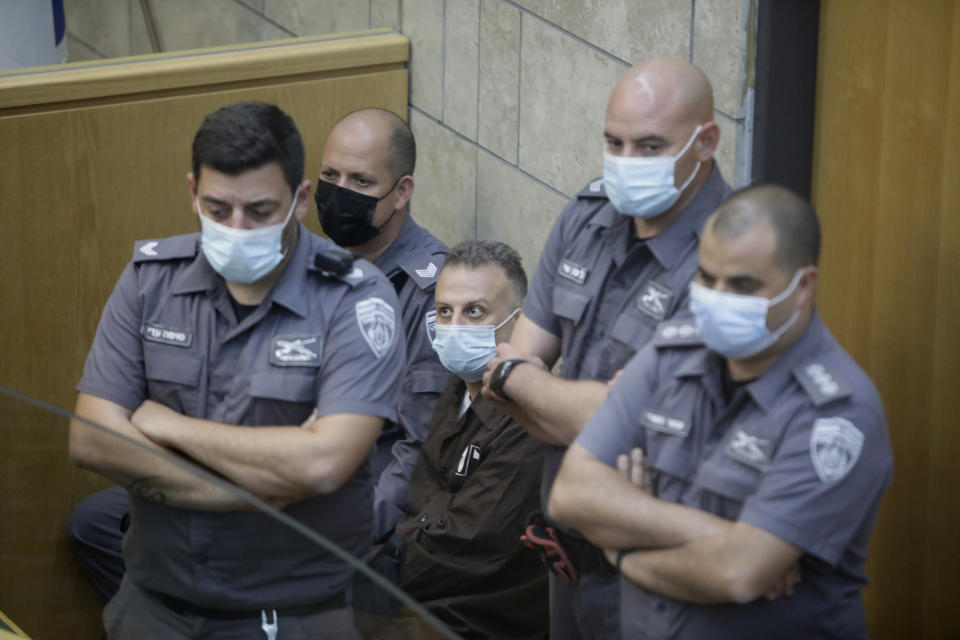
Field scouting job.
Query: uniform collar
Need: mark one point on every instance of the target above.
(491, 417)
(198, 275)
(289, 290)
(389, 260)
(767, 390)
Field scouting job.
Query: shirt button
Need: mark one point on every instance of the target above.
(422, 518)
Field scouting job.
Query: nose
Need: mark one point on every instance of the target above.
(237, 219)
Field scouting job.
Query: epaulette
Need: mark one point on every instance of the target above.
(174, 248)
(821, 385)
(422, 267)
(593, 190)
(680, 332)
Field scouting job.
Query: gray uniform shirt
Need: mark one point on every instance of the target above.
(603, 293)
(801, 452)
(412, 263)
(169, 333)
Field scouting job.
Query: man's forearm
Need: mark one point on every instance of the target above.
(551, 405)
(678, 573)
(608, 510)
(279, 461)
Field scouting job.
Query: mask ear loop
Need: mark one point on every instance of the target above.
(686, 147)
(777, 299)
(507, 319)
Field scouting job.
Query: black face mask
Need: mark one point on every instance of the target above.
(346, 215)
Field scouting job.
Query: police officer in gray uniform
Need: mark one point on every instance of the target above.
(362, 196)
(243, 349)
(363, 193)
(765, 444)
(617, 262)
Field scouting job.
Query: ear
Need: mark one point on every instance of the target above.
(707, 141)
(404, 192)
(303, 200)
(192, 187)
(807, 287)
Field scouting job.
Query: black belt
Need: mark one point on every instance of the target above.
(183, 607)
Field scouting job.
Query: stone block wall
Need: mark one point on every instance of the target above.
(507, 97)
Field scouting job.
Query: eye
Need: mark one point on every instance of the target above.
(443, 311)
(613, 144)
(475, 312)
(651, 148)
(705, 279)
(329, 175)
(360, 181)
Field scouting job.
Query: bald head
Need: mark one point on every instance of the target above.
(792, 219)
(667, 85)
(382, 128)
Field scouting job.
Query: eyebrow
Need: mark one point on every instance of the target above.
(253, 203)
(640, 140)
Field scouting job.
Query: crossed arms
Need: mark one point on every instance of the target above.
(282, 464)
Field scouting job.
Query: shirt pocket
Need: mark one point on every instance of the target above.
(725, 485)
(569, 305)
(421, 389)
(173, 377)
(283, 396)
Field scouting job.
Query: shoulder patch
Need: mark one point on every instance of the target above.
(377, 320)
(820, 384)
(655, 300)
(422, 267)
(175, 248)
(593, 190)
(835, 445)
(677, 333)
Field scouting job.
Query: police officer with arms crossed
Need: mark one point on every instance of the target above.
(617, 262)
(218, 346)
(765, 443)
(363, 195)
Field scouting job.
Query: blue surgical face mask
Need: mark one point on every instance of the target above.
(465, 349)
(243, 255)
(735, 325)
(644, 187)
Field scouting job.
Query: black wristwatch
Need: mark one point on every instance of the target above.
(499, 375)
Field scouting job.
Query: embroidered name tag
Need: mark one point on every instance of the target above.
(572, 272)
(665, 424)
(296, 350)
(167, 335)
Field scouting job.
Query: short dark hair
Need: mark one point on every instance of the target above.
(793, 220)
(248, 135)
(477, 253)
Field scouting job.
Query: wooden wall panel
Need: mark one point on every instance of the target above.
(81, 180)
(885, 183)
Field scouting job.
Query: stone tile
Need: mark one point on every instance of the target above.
(718, 46)
(102, 24)
(444, 200)
(499, 101)
(273, 32)
(185, 24)
(310, 18)
(514, 208)
(727, 150)
(139, 36)
(79, 52)
(422, 23)
(628, 29)
(461, 49)
(385, 13)
(564, 87)
(256, 5)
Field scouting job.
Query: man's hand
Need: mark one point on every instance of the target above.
(151, 419)
(631, 466)
(506, 351)
(784, 586)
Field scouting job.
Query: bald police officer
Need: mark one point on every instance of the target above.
(363, 196)
(617, 262)
(219, 346)
(766, 446)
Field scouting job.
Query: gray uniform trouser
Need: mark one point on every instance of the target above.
(135, 615)
(589, 610)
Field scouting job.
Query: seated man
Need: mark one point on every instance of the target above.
(766, 446)
(477, 477)
(232, 348)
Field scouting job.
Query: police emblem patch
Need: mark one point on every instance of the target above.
(751, 450)
(835, 445)
(296, 350)
(430, 319)
(655, 300)
(377, 321)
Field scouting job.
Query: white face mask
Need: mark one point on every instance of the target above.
(465, 349)
(242, 255)
(644, 187)
(735, 325)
